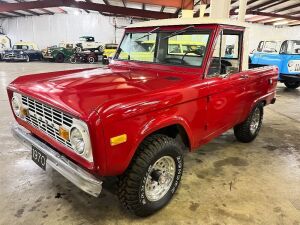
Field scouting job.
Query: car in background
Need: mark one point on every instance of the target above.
(23, 51)
(59, 53)
(268, 47)
(89, 43)
(84, 57)
(5, 44)
(109, 52)
(286, 57)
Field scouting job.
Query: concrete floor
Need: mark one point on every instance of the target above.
(227, 182)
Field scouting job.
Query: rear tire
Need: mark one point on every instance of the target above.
(91, 59)
(249, 129)
(292, 85)
(60, 58)
(153, 176)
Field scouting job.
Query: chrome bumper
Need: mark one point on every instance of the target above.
(78, 176)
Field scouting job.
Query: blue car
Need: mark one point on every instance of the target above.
(23, 51)
(287, 60)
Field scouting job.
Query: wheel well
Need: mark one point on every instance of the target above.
(177, 132)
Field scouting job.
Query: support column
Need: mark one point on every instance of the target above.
(242, 10)
(220, 8)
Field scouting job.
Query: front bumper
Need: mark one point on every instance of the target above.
(14, 57)
(290, 77)
(74, 173)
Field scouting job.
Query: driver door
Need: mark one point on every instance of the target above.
(226, 84)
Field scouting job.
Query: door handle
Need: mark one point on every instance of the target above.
(245, 76)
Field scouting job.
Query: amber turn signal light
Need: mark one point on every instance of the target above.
(24, 112)
(64, 133)
(118, 140)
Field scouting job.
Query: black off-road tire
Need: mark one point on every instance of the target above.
(60, 58)
(292, 85)
(131, 191)
(243, 132)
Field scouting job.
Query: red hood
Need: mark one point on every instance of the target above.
(80, 92)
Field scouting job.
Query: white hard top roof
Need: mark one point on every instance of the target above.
(187, 21)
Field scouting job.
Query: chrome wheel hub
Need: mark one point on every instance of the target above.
(255, 121)
(160, 178)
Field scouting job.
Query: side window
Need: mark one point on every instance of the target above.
(227, 54)
(260, 46)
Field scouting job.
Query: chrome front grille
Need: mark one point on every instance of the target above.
(47, 119)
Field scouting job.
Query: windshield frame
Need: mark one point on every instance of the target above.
(200, 29)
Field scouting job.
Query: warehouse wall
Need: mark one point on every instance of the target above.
(50, 30)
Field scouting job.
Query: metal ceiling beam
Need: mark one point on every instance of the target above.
(5, 15)
(272, 5)
(105, 2)
(275, 15)
(27, 10)
(287, 8)
(257, 7)
(19, 14)
(47, 11)
(290, 14)
(182, 4)
(9, 7)
(249, 2)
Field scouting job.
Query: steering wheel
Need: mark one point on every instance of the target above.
(198, 52)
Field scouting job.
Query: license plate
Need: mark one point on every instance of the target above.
(39, 158)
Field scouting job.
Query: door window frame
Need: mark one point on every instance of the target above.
(240, 31)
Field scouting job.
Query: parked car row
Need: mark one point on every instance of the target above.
(86, 50)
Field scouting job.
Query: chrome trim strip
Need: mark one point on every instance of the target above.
(74, 173)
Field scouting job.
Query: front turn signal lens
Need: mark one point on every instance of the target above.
(24, 112)
(64, 133)
(118, 140)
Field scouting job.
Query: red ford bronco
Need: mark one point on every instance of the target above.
(134, 119)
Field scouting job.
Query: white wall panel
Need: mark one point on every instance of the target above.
(47, 30)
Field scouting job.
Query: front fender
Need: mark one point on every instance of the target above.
(137, 129)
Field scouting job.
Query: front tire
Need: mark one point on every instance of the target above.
(153, 177)
(27, 59)
(292, 85)
(249, 129)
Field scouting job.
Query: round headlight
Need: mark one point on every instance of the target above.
(290, 64)
(77, 140)
(16, 105)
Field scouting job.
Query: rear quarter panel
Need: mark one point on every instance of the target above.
(260, 87)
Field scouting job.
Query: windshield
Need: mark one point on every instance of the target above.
(21, 47)
(183, 48)
(290, 47)
(268, 46)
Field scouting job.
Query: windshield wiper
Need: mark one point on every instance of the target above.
(178, 32)
(149, 33)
